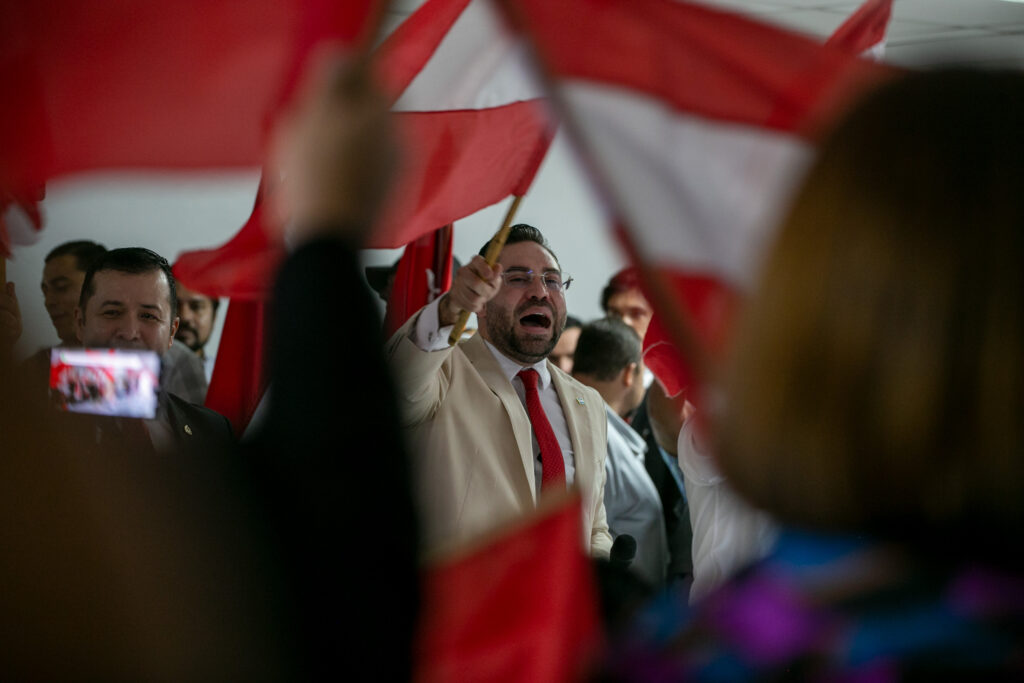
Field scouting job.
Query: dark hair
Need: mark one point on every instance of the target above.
(86, 253)
(130, 260)
(214, 301)
(623, 281)
(572, 321)
(606, 346)
(521, 232)
(878, 383)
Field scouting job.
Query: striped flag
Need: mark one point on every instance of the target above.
(471, 121)
(695, 125)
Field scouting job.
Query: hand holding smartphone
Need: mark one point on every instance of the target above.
(113, 382)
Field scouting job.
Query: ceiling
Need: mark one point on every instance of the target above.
(982, 32)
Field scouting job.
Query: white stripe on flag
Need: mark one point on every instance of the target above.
(479, 64)
(706, 193)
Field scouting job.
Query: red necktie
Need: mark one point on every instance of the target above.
(552, 467)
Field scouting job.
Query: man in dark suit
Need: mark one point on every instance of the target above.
(128, 301)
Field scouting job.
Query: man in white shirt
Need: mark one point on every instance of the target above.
(608, 359)
(481, 412)
(728, 533)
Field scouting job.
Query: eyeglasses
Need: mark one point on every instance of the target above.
(523, 279)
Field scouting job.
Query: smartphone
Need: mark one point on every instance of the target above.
(116, 382)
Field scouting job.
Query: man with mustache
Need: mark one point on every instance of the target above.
(64, 272)
(197, 312)
(493, 425)
(128, 302)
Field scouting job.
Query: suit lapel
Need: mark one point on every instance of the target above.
(489, 370)
(575, 417)
(182, 432)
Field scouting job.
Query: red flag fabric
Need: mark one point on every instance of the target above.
(134, 83)
(472, 128)
(21, 218)
(520, 608)
(695, 123)
(471, 124)
(239, 381)
(424, 273)
(243, 269)
(864, 31)
(471, 121)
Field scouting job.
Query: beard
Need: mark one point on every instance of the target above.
(520, 345)
(189, 336)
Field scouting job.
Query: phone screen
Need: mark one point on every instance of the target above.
(118, 382)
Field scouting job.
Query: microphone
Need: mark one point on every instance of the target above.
(623, 551)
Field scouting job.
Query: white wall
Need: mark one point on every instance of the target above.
(171, 213)
(166, 213)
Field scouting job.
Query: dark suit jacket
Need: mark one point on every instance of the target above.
(673, 503)
(198, 429)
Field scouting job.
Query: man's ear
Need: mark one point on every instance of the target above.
(174, 330)
(629, 375)
(79, 322)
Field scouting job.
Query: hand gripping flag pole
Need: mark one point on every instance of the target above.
(494, 248)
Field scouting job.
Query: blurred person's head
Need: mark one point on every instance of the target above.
(608, 359)
(878, 383)
(196, 312)
(63, 273)
(526, 317)
(623, 298)
(565, 348)
(128, 301)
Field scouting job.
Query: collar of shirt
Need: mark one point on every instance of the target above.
(511, 368)
(632, 440)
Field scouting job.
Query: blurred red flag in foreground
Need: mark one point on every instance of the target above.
(696, 123)
(135, 83)
(522, 607)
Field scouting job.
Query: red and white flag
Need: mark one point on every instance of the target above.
(472, 125)
(864, 32)
(422, 274)
(139, 84)
(695, 125)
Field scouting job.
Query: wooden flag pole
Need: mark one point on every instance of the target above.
(494, 248)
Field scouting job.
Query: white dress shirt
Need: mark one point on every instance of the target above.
(430, 336)
(728, 532)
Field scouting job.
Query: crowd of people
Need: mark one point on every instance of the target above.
(845, 513)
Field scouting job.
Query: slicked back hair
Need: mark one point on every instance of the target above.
(86, 252)
(134, 260)
(605, 347)
(521, 232)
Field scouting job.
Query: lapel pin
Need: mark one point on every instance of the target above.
(579, 399)
(188, 430)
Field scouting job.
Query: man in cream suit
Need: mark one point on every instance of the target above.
(477, 451)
